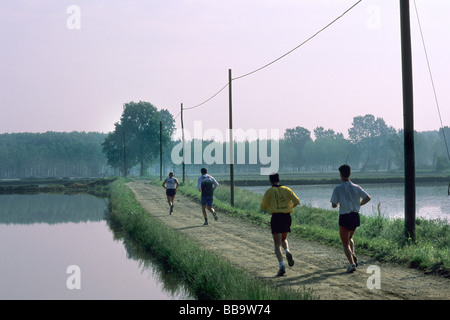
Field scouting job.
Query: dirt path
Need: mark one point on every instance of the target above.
(318, 267)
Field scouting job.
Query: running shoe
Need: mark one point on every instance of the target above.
(206, 223)
(216, 217)
(281, 272)
(351, 268)
(290, 259)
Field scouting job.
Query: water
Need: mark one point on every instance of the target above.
(43, 237)
(432, 200)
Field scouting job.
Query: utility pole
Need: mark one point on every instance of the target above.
(182, 135)
(231, 138)
(160, 151)
(124, 155)
(408, 121)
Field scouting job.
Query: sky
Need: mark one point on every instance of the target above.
(72, 65)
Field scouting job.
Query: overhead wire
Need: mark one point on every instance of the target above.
(210, 98)
(275, 60)
(431, 78)
(301, 44)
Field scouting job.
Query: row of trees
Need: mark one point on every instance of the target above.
(134, 147)
(52, 154)
(372, 145)
(378, 149)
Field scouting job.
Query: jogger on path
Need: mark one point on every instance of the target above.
(280, 201)
(206, 184)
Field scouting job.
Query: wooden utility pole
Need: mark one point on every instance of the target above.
(231, 138)
(408, 121)
(182, 135)
(160, 151)
(124, 155)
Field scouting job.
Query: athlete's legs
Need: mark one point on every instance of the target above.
(347, 242)
(278, 242)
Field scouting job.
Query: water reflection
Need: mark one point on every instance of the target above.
(42, 235)
(51, 208)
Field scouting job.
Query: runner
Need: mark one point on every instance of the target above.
(349, 196)
(171, 185)
(206, 184)
(280, 201)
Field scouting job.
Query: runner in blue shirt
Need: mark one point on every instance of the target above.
(206, 184)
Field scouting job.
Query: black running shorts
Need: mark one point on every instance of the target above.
(281, 222)
(349, 221)
(170, 192)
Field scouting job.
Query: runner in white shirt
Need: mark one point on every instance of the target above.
(350, 198)
(171, 185)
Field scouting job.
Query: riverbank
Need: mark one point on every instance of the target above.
(319, 267)
(207, 275)
(233, 257)
(378, 237)
(93, 186)
(333, 178)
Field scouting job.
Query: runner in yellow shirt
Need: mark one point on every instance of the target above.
(280, 201)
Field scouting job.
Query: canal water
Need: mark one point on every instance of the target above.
(432, 199)
(62, 247)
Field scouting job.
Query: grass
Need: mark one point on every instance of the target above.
(378, 236)
(207, 276)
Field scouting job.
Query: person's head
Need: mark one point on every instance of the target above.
(274, 178)
(170, 174)
(203, 171)
(345, 171)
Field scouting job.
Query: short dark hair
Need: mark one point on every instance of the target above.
(345, 170)
(203, 170)
(274, 178)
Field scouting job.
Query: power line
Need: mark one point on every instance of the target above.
(277, 59)
(200, 104)
(431, 77)
(301, 44)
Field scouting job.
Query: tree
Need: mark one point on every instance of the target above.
(370, 137)
(136, 137)
(364, 127)
(321, 133)
(329, 149)
(295, 141)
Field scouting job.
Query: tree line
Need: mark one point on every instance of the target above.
(371, 145)
(51, 154)
(143, 131)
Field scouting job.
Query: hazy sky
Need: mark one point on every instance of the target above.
(71, 65)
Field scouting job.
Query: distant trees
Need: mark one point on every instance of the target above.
(51, 154)
(136, 138)
(371, 145)
(370, 136)
(294, 144)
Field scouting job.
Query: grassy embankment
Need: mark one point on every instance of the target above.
(208, 276)
(378, 236)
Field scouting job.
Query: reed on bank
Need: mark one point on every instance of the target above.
(378, 236)
(207, 276)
